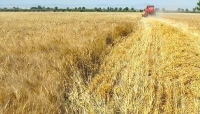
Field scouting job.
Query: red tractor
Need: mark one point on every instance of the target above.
(149, 10)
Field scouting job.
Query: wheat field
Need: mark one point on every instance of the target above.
(99, 63)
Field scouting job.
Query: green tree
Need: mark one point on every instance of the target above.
(56, 8)
(126, 9)
(198, 5)
(120, 9)
(83, 8)
(186, 10)
(95, 9)
(33, 8)
(99, 9)
(132, 9)
(116, 8)
(39, 7)
(79, 8)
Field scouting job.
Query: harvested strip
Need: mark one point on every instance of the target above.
(156, 70)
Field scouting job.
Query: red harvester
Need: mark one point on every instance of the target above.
(149, 10)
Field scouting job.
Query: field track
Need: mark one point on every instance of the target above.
(161, 61)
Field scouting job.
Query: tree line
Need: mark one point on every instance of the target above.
(76, 9)
(82, 9)
(40, 8)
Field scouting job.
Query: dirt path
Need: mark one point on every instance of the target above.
(156, 69)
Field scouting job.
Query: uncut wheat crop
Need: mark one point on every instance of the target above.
(93, 63)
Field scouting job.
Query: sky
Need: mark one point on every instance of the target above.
(168, 4)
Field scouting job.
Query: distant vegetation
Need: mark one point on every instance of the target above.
(40, 8)
(75, 9)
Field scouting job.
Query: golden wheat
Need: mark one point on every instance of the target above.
(43, 55)
(190, 20)
(155, 71)
(99, 63)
